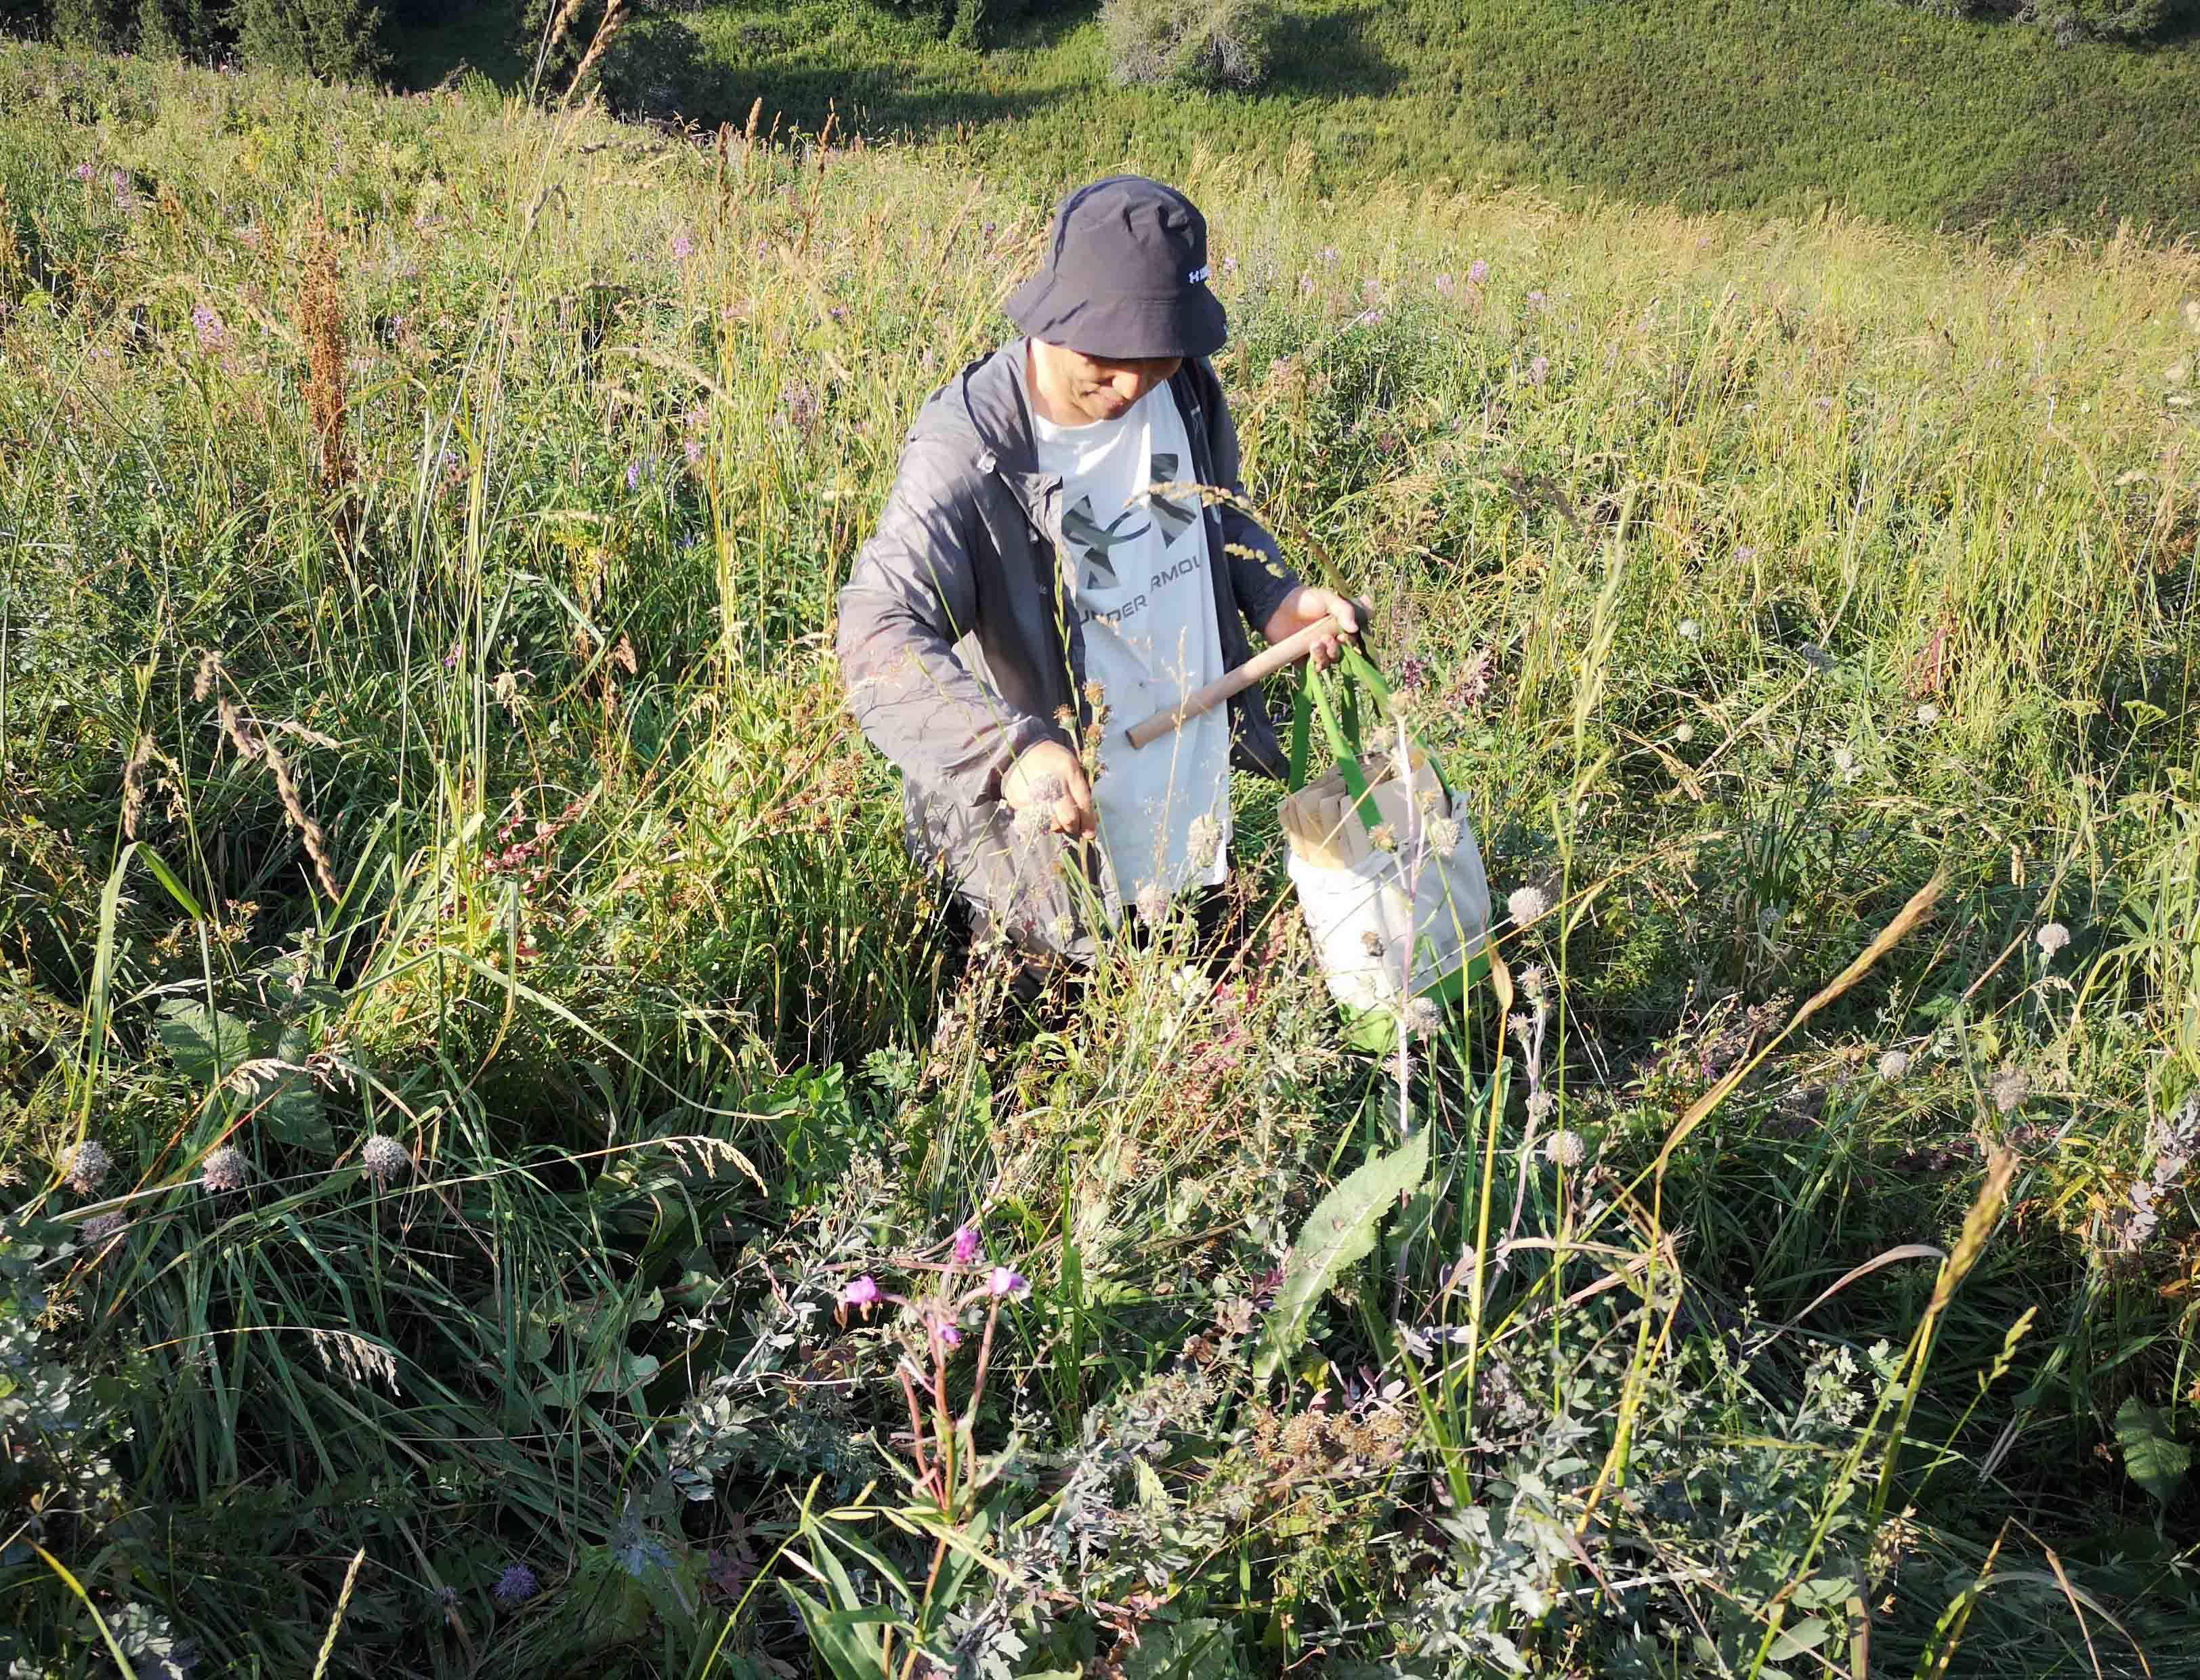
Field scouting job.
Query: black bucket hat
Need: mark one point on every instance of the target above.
(1126, 276)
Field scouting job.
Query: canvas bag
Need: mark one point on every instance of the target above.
(1367, 906)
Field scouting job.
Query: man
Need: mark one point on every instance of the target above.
(1045, 571)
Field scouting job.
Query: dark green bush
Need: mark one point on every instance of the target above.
(330, 40)
(1202, 44)
(2072, 20)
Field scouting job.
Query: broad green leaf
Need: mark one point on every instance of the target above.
(204, 1043)
(2157, 1460)
(1336, 1235)
(1805, 1636)
(1193, 1650)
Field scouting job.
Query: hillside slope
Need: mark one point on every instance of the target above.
(507, 1170)
(1771, 105)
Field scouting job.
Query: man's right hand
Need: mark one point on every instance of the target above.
(1047, 775)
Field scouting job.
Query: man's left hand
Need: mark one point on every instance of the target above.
(1304, 606)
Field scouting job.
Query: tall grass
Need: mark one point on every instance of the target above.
(1749, 575)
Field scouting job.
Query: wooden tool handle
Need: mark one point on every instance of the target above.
(1290, 651)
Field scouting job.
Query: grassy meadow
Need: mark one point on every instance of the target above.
(472, 1047)
(1784, 107)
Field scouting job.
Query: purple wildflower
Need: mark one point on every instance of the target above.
(516, 1585)
(946, 1334)
(863, 1291)
(207, 324)
(800, 407)
(693, 446)
(1539, 370)
(968, 1246)
(682, 247)
(1004, 1282)
(1477, 273)
(1230, 264)
(1443, 283)
(1368, 318)
(1306, 286)
(84, 172)
(1328, 256)
(1534, 299)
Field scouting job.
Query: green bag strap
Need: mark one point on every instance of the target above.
(1334, 696)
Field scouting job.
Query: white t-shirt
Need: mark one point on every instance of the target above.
(1136, 565)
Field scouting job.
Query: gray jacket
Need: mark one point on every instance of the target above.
(952, 624)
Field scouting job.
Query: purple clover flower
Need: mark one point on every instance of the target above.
(1004, 1282)
(683, 246)
(1477, 273)
(863, 1291)
(1536, 300)
(969, 1248)
(946, 1335)
(84, 172)
(212, 335)
(800, 407)
(516, 1585)
(1443, 283)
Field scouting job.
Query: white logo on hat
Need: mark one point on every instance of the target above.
(1198, 276)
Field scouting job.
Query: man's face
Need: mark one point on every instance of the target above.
(1100, 389)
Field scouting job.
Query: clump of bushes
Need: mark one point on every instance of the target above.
(1196, 43)
(2074, 21)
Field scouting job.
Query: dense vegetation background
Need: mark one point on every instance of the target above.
(506, 1172)
(2015, 115)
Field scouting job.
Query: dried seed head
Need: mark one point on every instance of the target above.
(1423, 1017)
(1443, 835)
(1382, 837)
(1540, 1104)
(2010, 1086)
(386, 1160)
(2051, 939)
(225, 1169)
(1533, 979)
(88, 1163)
(1204, 838)
(1894, 1065)
(1527, 904)
(102, 1227)
(1565, 1149)
(1153, 902)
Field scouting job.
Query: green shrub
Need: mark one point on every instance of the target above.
(104, 24)
(330, 40)
(1203, 44)
(2071, 21)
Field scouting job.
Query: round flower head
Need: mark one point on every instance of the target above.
(1031, 821)
(516, 1585)
(1528, 904)
(1927, 714)
(968, 1246)
(88, 1163)
(224, 1169)
(1684, 733)
(1690, 630)
(1153, 903)
(1422, 1017)
(102, 1226)
(2010, 1086)
(2051, 939)
(1844, 760)
(386, 1160)
(1894, 1065)
(863, 1291)
(1539, 1105)
(1477, 270)
(1564, 1149)
(1005, 1283)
